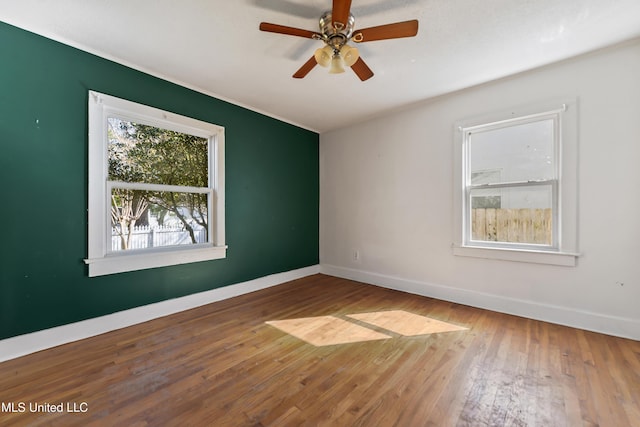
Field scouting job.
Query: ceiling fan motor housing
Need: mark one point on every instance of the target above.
(336, 36)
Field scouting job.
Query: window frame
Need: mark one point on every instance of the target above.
(563, 249)
(101, 259)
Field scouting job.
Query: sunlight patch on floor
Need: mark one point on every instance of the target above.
(405, 323)
(326, 330)
(331, 330)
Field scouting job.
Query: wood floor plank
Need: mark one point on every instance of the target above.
(223, 365)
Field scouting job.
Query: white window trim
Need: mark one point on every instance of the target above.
(564, 250)
(100, 260)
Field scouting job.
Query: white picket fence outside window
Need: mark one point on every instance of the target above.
(152, 237)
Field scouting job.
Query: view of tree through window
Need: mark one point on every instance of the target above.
(159, 183)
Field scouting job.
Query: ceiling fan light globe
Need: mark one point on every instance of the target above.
(349, 55)
(337, 65)
(323, 57)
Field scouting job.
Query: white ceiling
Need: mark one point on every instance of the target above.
(215, 46)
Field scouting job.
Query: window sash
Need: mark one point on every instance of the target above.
(555, 235)
(173, 127)
(111, 185)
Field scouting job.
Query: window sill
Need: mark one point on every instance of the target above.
(119, 263)
(565, 259)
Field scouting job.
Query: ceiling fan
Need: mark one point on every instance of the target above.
(336, 30)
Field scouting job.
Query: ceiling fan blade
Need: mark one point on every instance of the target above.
(340, 13)
(304, 70)
(362, 70)
(282, 29)
(389, 31)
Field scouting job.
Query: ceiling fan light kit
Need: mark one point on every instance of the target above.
(336, 30)
(336, 60)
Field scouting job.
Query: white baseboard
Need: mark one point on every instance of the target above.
(581, 319)
(21, 345)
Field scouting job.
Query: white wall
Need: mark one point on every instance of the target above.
(386, 192)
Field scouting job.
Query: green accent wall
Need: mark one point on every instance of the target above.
(272, 188)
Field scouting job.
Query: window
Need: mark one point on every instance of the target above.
(516, 178)
(156, 187)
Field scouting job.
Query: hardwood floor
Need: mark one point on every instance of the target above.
(222, 365)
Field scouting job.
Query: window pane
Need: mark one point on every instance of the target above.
(524, 216)
(147, 219)
(516, 153)
(486, 198)
(147, 154)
